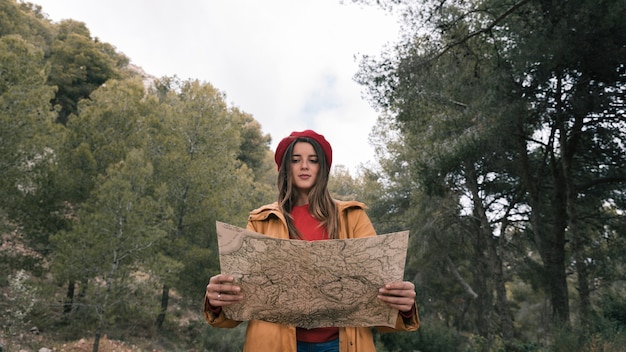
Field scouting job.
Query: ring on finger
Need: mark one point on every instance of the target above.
(219, 296)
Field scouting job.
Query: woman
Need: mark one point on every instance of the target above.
(306, 211)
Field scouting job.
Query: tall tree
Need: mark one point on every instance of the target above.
(117, 230)
(108, 126)
(196, 148)
(527, 75)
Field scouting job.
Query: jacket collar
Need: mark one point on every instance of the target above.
(268, 210)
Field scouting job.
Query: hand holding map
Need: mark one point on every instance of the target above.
(311, 284)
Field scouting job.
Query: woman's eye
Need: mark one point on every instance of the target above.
(314, 161)
(295, 161)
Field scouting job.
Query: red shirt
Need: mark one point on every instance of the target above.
(309, 227)
(311, 230)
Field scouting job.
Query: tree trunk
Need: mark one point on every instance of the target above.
(82, 292)
(578, 251)
(584, 292)
(164, 303)
(556, 262)
(481, 273)
(96, 341)
(491, 257)
(98, 334)
(459, 318)
(549, 237)
(502, 303)
(569, 138)
(466, 287)
(69, 298)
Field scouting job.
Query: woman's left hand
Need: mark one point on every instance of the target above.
(398, 295)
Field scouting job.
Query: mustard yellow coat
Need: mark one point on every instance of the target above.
(270, 337)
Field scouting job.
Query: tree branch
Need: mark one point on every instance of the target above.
(468, 289)
(482, 30)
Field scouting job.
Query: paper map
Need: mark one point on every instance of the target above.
(311, 284)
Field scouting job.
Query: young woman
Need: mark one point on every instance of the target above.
(306, 211)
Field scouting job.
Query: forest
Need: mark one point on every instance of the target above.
(500, 145)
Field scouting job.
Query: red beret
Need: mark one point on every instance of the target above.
(284, 144)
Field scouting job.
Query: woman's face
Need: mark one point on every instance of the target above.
(305, 167)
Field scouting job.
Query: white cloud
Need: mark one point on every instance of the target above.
(288, 63)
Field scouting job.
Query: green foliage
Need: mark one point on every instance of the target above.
(25, 20)
(18, 303)
(195, 143)
(498, 141)
(198, 266)
(605, 334)
(121, 199)
(118, 229)
(254, 144)
(429, 338)
(79, 65)
(123, 218)
(614, 310)
(28, 138)
(342, 185)
(222, 340)
(110, 124)
(24, 107)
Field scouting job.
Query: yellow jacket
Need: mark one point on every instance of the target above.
(269, 337)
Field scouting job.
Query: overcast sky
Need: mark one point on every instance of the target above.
(288, 63)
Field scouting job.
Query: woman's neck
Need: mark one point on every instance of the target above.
(303, 198)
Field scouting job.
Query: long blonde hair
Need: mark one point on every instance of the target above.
(321, 205)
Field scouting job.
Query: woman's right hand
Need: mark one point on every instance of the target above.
(221, 292)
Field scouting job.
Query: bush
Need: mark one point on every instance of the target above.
(429, 338)
(604, 336)
(20, 301)
(614, 310)
(222, 340)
